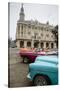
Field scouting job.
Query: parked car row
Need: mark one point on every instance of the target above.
(29, 55)
(43, 67)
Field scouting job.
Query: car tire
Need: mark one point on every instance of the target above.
(40, 81)
(25, 60)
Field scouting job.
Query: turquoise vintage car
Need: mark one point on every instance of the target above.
(44, 71)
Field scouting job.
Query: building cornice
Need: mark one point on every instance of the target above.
(35, 40)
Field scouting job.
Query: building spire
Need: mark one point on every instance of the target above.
(22, 9)
(22, 4)
(22, 13)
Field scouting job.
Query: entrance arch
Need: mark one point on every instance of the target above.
(52, 45)
(36, 44)
(47, 45)
(28, 44)
(21, 44)
(42, 45)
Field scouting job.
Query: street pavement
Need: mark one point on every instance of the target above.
(18, 71)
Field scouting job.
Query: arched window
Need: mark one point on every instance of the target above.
(42, 34)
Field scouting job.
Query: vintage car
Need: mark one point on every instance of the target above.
(25, 49)
(44, 71)
(30, 55)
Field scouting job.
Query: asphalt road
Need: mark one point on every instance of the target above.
(18, 71)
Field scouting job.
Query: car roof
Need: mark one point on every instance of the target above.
(52, 59)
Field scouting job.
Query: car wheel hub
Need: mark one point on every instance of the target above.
(25, 60)
(40, 81)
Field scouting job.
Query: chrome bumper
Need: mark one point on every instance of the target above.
(29, 77)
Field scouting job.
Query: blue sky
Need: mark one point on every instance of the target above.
(40, 12)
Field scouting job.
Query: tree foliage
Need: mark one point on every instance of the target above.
(55, 32)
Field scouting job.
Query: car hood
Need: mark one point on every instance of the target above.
(44, 66)
(49, 59)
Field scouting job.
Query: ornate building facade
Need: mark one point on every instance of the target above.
(33, 34)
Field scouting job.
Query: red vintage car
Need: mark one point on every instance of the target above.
(29, 55)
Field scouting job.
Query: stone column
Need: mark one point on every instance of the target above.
(26, 31)
(39, 45)
(54, 45)
(32, 44)
(23, 31)
(20, 31)
(18, 44)
(25, 44)
(50, 45)
(44, 45)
